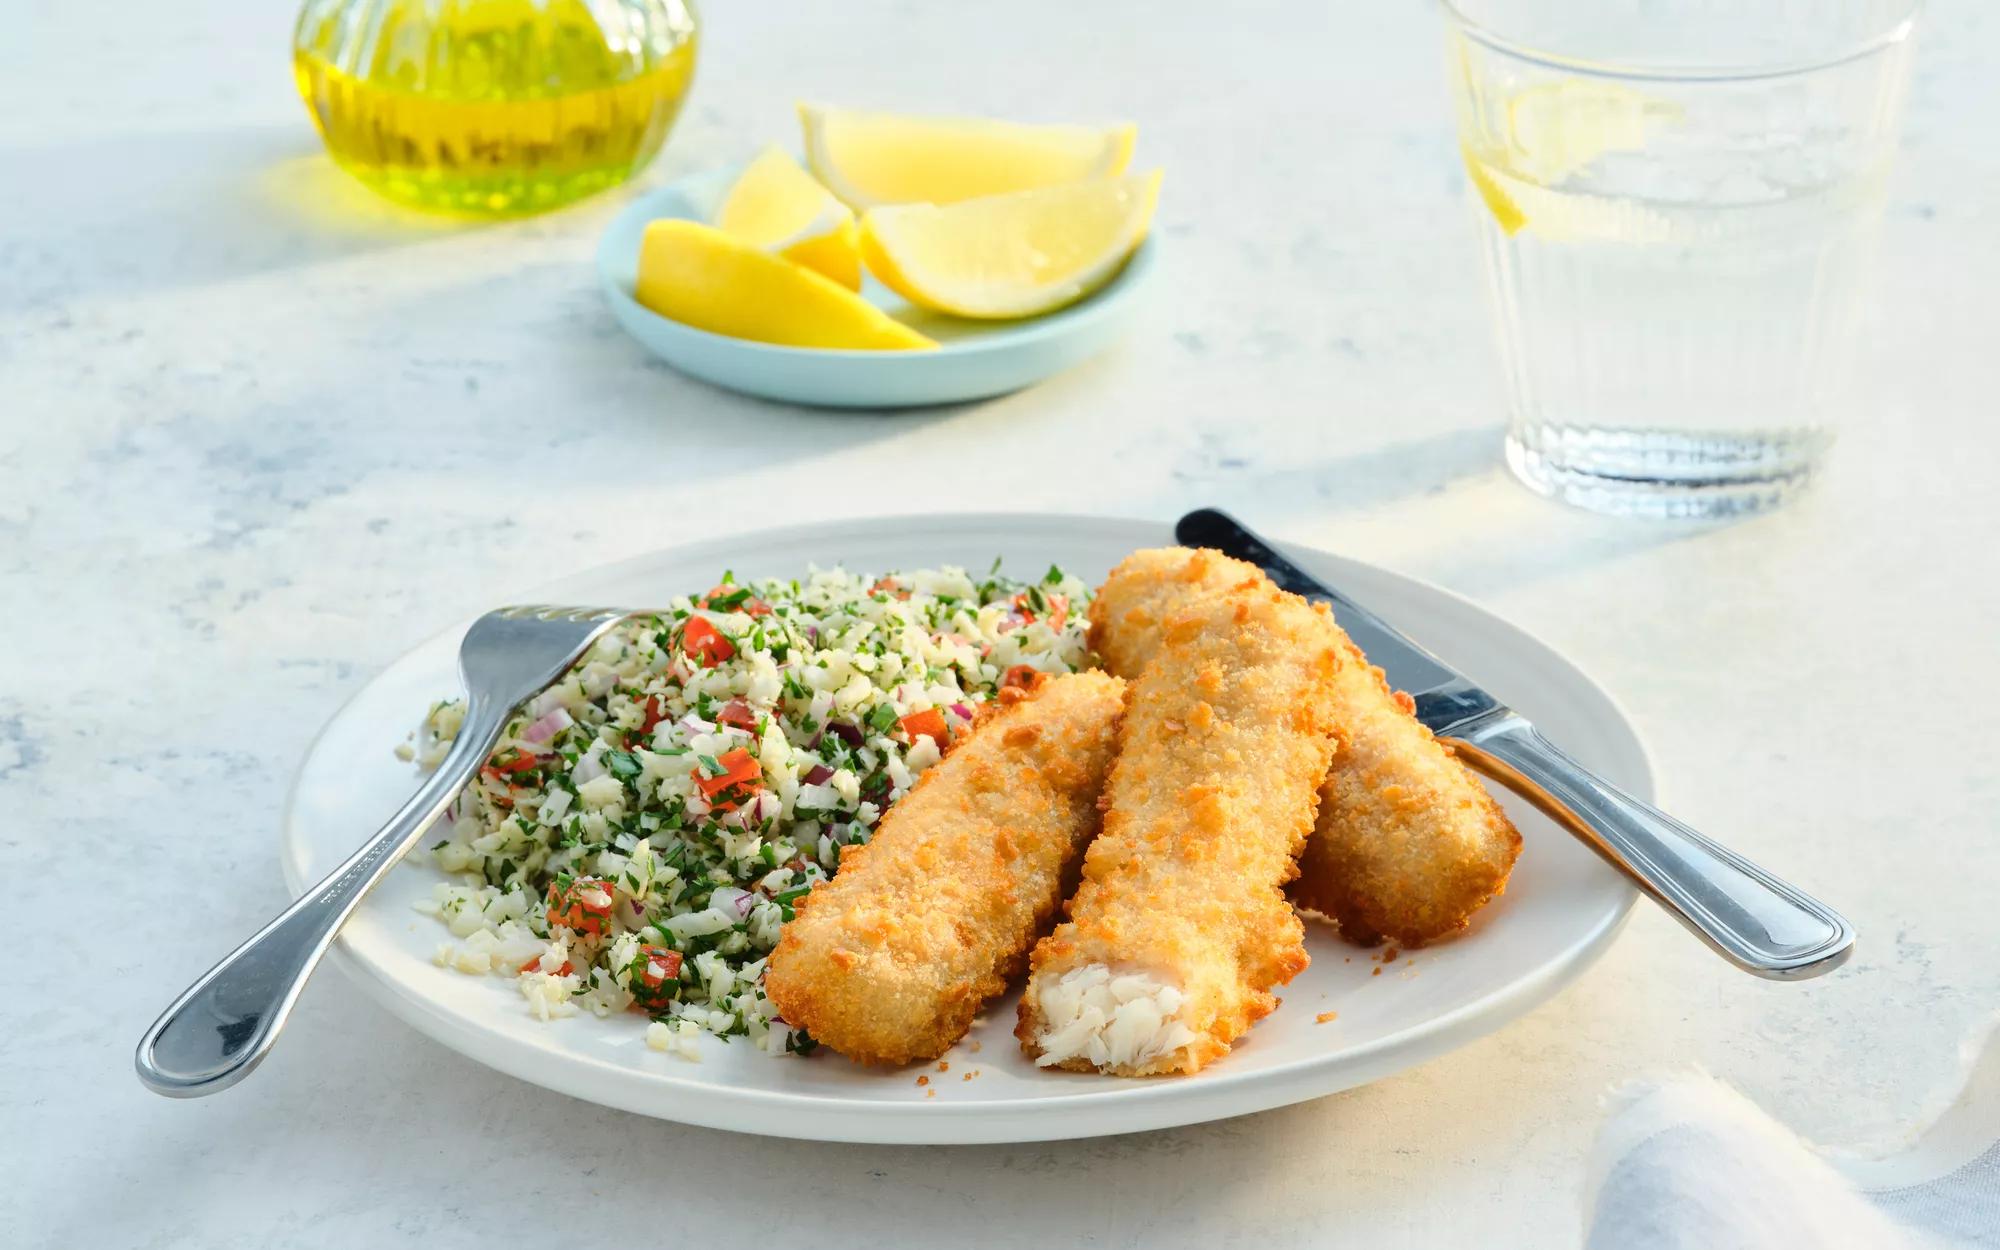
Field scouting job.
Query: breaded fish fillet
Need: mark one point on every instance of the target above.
(1132, 606)
(1180, 928)
(1409, 844)
(889, 961)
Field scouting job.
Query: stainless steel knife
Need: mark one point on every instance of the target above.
(1756, 921)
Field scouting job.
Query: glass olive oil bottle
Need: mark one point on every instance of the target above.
(494, 107)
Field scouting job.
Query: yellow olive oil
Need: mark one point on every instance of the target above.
(494, 107)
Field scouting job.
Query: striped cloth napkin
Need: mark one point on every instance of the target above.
(1690, 1164)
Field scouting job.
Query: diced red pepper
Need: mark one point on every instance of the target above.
(739, 779)
(736, 712)
(705, 642)
(501, 771)
(1019, 676)
(1058, 609)
(928, 724)
(661, 964)
(535, 964)
(655, 713)
(572, 909)
(517, 762)
(655, 976)
(883, 585)
(750, 606)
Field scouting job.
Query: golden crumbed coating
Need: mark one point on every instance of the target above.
(889, 961)
(1148, 586)
(1225, 740)
(1408, 844)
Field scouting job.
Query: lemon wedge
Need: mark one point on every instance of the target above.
(1556, 129)
(1010, 255)
(1505, 211)
(1553, 132)
(880, 158)
(706, 278)
(777, 206)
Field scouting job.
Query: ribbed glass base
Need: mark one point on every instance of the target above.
(1665, 473)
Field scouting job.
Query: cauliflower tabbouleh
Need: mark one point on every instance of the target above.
(647, 823)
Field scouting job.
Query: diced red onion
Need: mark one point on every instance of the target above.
(816, 739)
(548, 726)
(545, 702)
(589, 768)
(847, 733)
(737, 900)
(817, 773)
(961, 711)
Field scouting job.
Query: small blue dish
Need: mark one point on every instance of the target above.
(974, 359)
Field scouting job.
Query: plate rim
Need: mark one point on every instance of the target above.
(1013, 334)
(976, 1120)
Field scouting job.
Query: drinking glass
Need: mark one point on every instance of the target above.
(1678, 201)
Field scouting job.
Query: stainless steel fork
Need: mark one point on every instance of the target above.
(225, 1023)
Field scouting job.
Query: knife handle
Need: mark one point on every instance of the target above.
(1761, 924)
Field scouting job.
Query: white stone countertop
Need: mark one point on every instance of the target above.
(259, 433)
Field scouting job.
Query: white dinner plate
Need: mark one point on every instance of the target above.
(973, 359)
(1562, 909)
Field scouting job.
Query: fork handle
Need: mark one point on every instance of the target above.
(1755, 920)
(222, 1027)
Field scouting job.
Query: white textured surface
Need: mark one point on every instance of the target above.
(258, 434)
